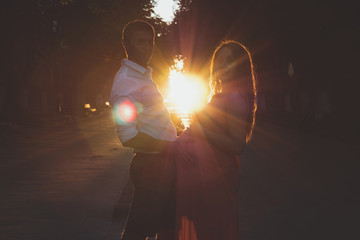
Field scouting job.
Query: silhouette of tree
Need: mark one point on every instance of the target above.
(71, 47)
(74, 46)
(319, 38)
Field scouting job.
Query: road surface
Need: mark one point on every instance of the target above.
(63, 183)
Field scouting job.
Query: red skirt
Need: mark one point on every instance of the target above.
(206, 191)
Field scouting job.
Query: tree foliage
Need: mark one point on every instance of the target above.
(71, 47)
(312, 34)
(74, 46)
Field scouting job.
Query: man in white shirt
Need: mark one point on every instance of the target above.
(143, 123)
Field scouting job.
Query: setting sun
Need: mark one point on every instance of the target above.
(187, 93)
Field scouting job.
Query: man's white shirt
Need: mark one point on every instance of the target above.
(133, 83)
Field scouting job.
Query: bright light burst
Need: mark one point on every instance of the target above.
(187, 93)
(165, 9)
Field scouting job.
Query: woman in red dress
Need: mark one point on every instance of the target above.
(205, 157)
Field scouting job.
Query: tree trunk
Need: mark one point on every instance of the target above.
(44, 101)
(24, 100)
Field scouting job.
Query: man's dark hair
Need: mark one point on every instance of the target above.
(135, 26)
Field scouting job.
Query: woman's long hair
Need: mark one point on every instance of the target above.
(239, 51)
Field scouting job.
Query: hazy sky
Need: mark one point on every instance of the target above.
(165, 9)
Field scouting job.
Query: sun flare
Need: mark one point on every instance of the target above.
(187, 93)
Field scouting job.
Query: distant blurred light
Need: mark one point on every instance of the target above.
(93, 109)
(87, 105)
(107, 103)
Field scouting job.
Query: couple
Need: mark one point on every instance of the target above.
(185, 187)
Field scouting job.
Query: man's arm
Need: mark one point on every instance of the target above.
(145, 142)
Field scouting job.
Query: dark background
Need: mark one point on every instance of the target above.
(67, 52)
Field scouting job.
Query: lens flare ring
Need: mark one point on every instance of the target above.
(126, 112)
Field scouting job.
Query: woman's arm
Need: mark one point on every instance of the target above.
(236, 117)
(221, 141)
